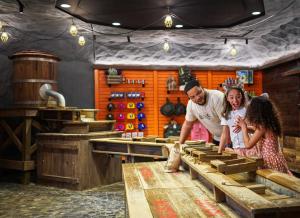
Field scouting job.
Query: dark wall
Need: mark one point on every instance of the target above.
(285, 92)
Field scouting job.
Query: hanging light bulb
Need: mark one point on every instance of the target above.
(166, 46)
(81, 41)
(73, 30)
(168, 21)
(4, 37)
(233, 51)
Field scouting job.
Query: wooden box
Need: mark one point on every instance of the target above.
(66, 160)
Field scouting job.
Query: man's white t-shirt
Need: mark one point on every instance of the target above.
(209, 114)
(236, 138)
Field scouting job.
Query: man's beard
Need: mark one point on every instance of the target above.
(204, 99)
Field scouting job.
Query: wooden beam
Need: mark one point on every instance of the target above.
(18, 112)
(33, 148)
(68, 180)
(38, 126)
(293, 72)
(17, 165)
(17, 131)
(12, 135)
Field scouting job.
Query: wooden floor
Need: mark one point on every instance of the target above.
(151, 192)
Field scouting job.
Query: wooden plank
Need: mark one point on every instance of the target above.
(182, 202)
(17, 165)
(153, 176)
(240, 167)
(45, 145)
(12, 112)
(122, 141)
(136, 201)
(257, 188)
(283, 179)
(63, 179)
(127, 154)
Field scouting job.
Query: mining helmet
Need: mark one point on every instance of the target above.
(121, 116)
(110, 106)
(131, 116)
(129, 126)
(130, 105)
(140, 105)
(110, 116)
(141, 116)
(141, 126)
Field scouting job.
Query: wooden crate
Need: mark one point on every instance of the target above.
(66, 160)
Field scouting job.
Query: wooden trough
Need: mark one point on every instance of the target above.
(119, 146)
(250, 192)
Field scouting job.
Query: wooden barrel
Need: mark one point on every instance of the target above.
(32, 69)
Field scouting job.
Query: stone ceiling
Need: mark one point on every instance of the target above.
(272, 38)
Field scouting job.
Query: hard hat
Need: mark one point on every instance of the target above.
(120, 127)
(121, 106)
(140, 105)
(131, 116)
(141, 116)
(129, 126)
(130, 105)
(121, 116)
(110, 106)
(110, 116)
(141, 126)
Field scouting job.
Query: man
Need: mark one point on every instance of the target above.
(204, 105)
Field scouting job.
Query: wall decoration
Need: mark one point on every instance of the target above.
(245, 76)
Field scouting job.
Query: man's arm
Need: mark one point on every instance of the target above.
(185, 131)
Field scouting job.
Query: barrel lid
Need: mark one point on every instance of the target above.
(34, 53)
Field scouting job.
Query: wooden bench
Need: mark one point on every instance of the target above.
(150, 192)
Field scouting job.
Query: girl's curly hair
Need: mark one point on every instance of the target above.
(263, 112)
(227, 106)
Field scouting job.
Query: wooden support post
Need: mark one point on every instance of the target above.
(219, 195)
(193, 174)
(26, 152)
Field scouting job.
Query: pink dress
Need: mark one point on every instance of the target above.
(199, 132)
(272, 155)
(248, 152)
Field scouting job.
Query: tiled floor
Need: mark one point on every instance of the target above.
(41, 201)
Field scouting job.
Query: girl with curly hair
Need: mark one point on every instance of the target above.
(263, 115)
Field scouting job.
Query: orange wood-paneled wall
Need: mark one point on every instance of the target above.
(156, 93)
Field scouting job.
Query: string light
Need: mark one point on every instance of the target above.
(4, 37)
(233, 51)
(166, 46)
(81, 41)
(73, 30)
(168, 21)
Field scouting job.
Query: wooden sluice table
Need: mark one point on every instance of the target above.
(261, 193)
(229, 186)
(150, 192)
